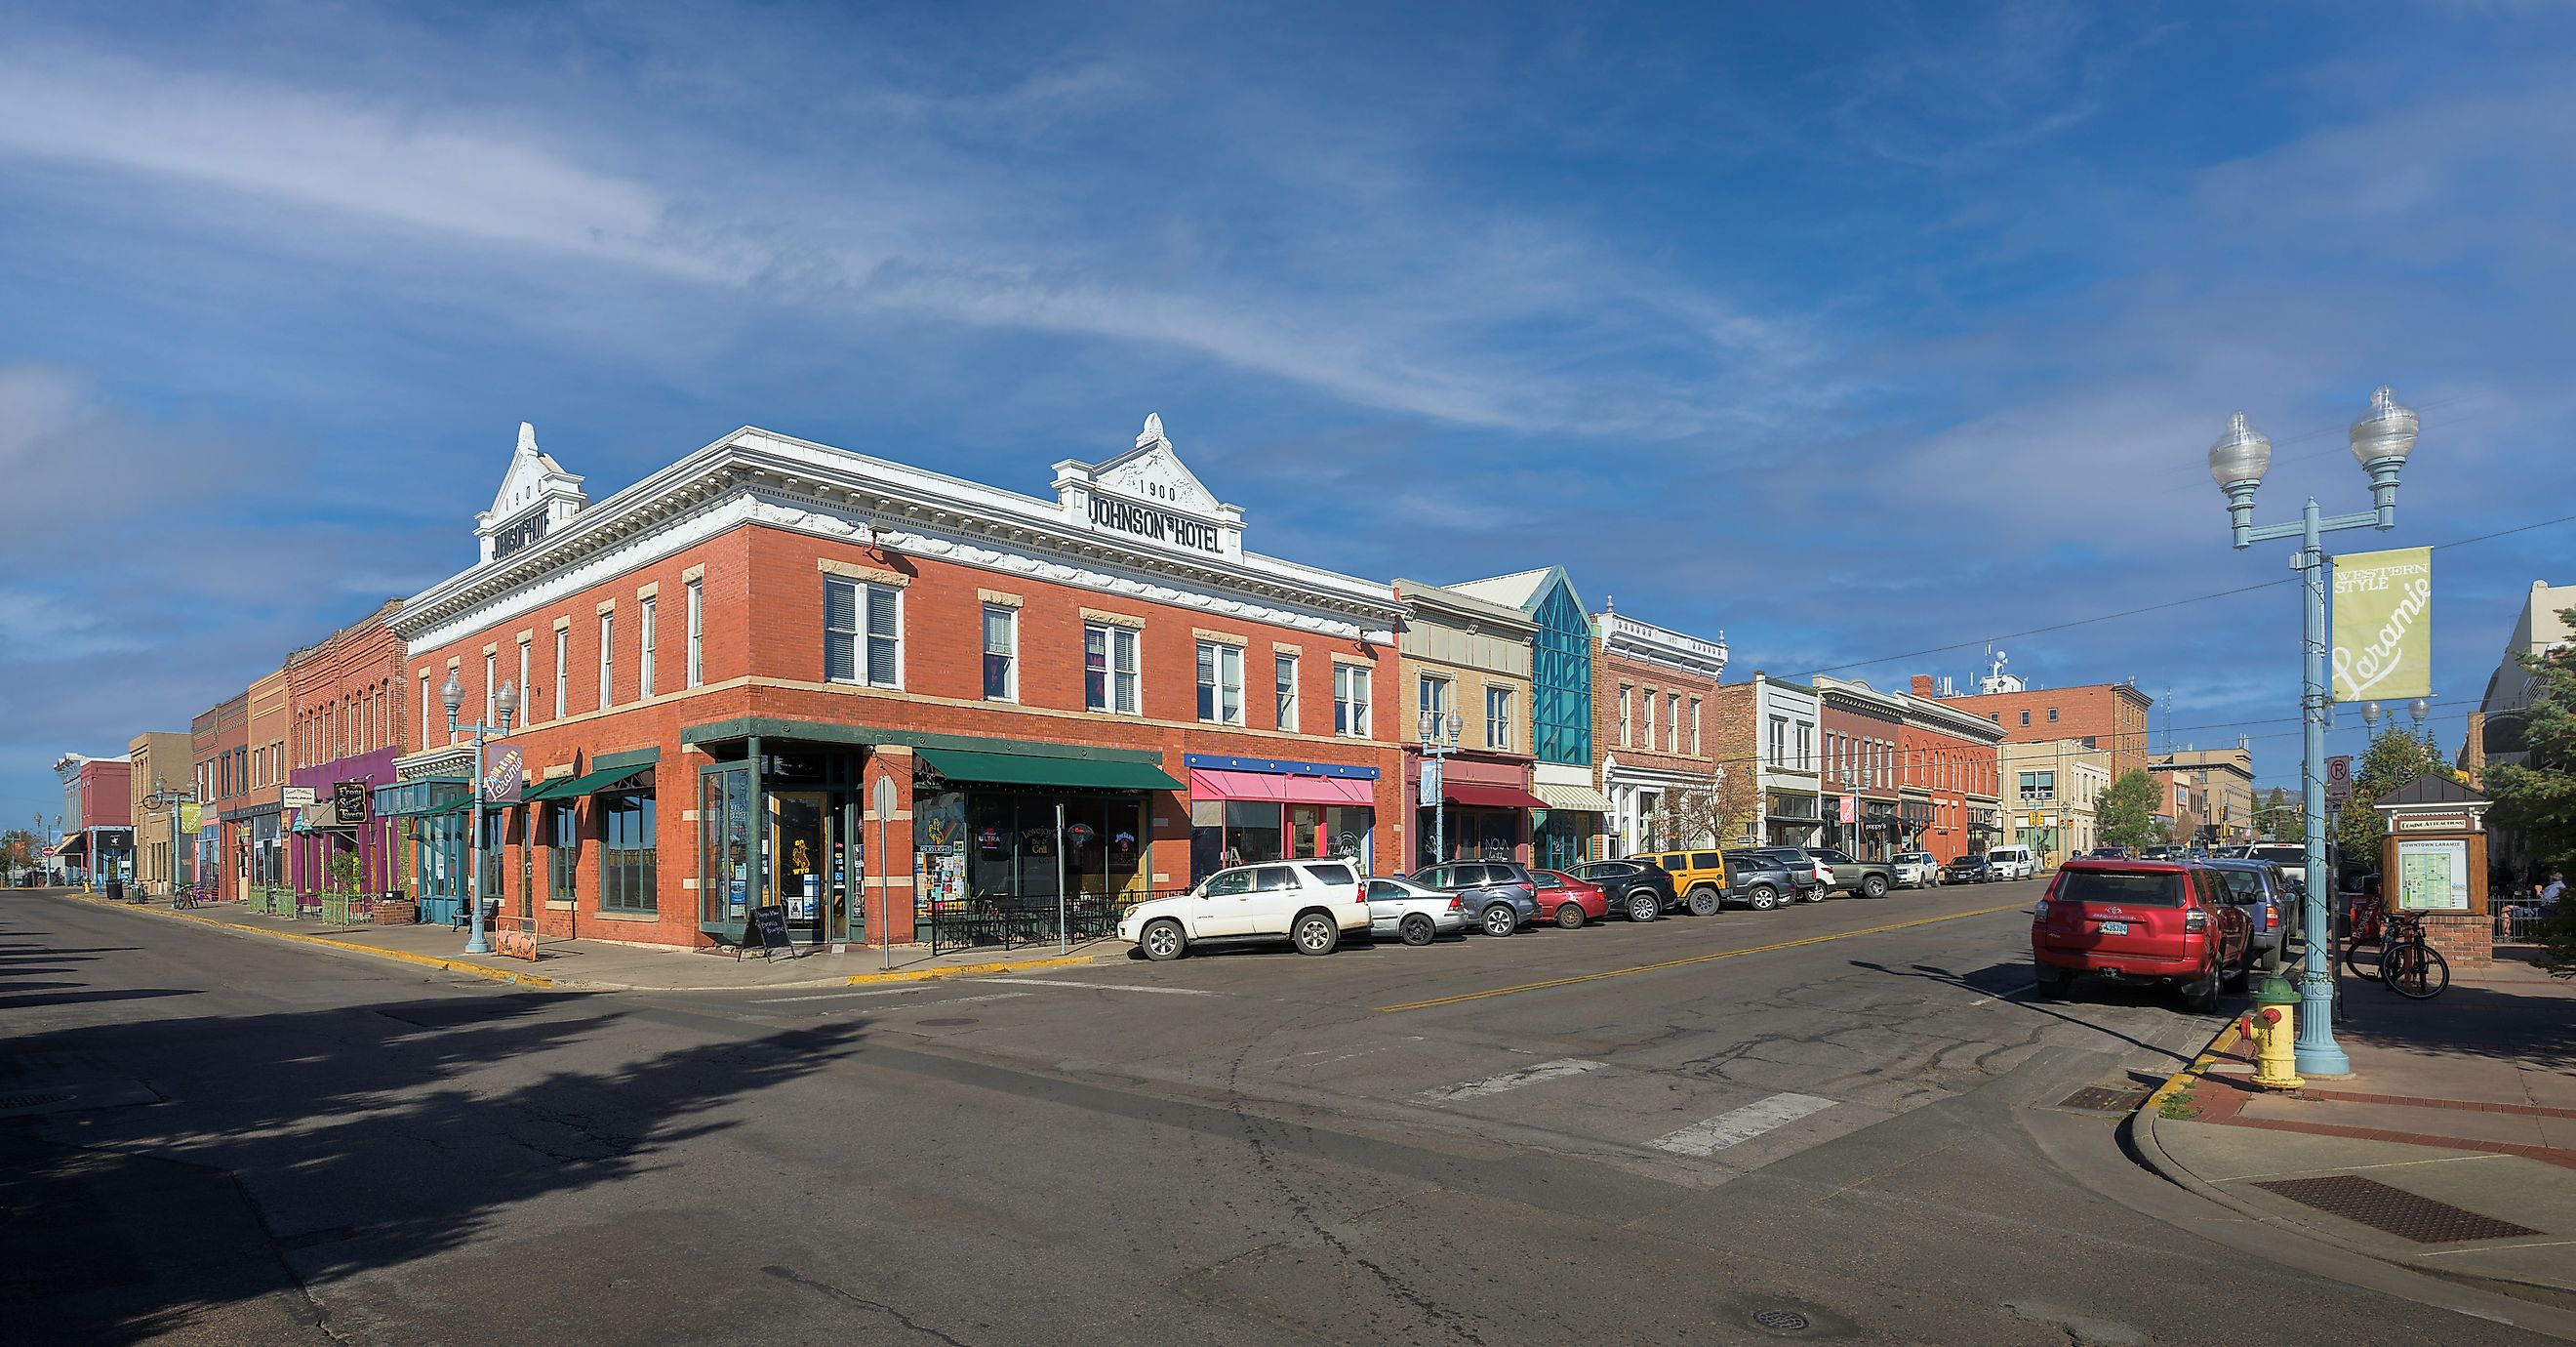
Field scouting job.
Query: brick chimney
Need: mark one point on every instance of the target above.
(1922, 685)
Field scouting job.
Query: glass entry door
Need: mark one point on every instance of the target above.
(725, 870)
(810, 869)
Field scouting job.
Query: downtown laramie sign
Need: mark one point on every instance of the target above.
(2383, 625)
(1162, 526)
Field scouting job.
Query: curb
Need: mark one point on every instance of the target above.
(2160, 1162)
(351, 946)
(544, 983)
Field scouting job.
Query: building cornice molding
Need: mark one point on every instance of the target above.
(1628, 638)
(754, 477)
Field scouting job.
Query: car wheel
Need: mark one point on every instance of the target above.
(1763, 897)
(1704, 901)
(1814, 895)
(1873, 886)
(1500, 919)
(1163, 941)
(1415, 930)
(2200, 995)
(1569, 915)
(1643, 907)
(1315, 933)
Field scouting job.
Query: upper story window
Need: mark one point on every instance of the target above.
(1626, 693)
(1433, 703)
(1672, 722)
(2025, 717)
(644, 635)
(697, 617)
(563, 666)
(1779, 741)
(1351, 700)
(1109, 668)
(1284, 675)
(607, 657)
(1220, 683)
(862, 641)
(2052, 715)
(1498, 718)
(1695, 748)
(1001, 653)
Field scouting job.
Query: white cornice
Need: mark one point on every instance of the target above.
(1629, 638)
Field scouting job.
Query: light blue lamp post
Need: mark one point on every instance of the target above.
(507, 699)
(2380, 442)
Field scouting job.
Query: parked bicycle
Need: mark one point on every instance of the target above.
(186, 896)
(2410, 967)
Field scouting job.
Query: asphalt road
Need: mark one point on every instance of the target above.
(1679, 1132)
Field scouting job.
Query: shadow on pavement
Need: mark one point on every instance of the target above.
(369, 1141)
(2527, 1029)
(2000, 981)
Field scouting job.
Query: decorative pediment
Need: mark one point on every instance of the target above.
(1148, 493)
(536, 496)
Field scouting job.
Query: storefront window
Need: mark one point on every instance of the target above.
(563, 865)
(1251, 832)
(724, 844)
(1349, 834)
(626, 851)
(1207, 838)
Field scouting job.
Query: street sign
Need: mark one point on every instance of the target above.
(2338, 792)
(2338, 768)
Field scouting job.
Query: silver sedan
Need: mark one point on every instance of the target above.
(1400, 909)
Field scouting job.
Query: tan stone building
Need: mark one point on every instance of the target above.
(1465, 657)
(2050, 789)
(2213, 793)
(160, 758)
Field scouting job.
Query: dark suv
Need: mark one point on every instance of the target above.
(1762, 880)
(1501, 895)
(1804, 885)
(1641, 891)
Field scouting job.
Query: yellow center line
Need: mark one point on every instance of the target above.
(1697, 958)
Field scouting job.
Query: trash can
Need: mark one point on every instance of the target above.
(116, 890)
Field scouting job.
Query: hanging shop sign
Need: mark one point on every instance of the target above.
(2383, 625)
(502, 781)
(353, 800)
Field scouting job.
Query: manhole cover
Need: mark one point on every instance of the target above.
(18, 1101)
(2395, 1210)
(2105, 1098)
(1781, 1321)
(946, 1023)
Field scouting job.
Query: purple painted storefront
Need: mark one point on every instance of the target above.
(319, 835)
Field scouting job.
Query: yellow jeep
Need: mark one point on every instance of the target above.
(1699, 878)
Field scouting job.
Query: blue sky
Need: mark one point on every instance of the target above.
(1850, 330)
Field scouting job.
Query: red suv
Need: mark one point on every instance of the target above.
(2141, 921)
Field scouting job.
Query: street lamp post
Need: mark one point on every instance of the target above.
(507, 700)
(168, 800)
(1439, 740)
(2380, 440)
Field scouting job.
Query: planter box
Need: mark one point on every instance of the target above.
(396, 912)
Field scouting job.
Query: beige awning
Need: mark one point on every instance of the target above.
(1577, 799)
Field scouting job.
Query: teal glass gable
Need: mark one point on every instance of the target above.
(1561, 676)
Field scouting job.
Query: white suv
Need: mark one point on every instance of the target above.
(1309, 904)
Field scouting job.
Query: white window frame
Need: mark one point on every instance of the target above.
(867, 598)
(524, 699)
(1115, 639)
(1351, 693)
(1696, 751)
(1498, 718)
(1283, 679)
(1011, 652)
(1647, 741)
(424, 719)
(1221, 698)
(697, 616)
(607, 656)
(1672, 722)
(491, 687)
(644, 639)
(1627, 693)
(1434, 695)
(563, 662)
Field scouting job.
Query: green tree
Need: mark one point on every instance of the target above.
(18, 849)
(2392, 760)
(2125, 814)
(2278, 816)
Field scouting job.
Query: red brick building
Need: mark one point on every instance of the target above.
(1096, 696)
(2108, 716)
(1860, 728)
(1948, 778)
(350, 723)
(221, 739)
(1663, 770)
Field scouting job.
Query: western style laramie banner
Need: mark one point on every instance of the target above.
(2383, 625)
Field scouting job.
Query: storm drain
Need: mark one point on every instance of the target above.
(2105, 1098)
(1781, 1321)
(2400, 1213)
(10, 1102)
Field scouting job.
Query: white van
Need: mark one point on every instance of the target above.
(2013, 862)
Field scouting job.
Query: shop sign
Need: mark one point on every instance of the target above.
(295, 797)
(2383, 625)
(502, 783)
(2431, 823)
(1430, 795)
(2433, 876)
(990, 839)
(353, 799)
(1156, 524)
(1850, 810)
(1079, 835)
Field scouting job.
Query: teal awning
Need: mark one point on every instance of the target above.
(565, 787)
(1030, 769)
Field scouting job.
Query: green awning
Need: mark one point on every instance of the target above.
(451, 807)
(1029, 769)
(564, 787)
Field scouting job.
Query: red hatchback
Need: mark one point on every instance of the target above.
(1567, 901)
(2167, 922)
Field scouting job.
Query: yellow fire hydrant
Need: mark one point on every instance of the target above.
(2273, 1027)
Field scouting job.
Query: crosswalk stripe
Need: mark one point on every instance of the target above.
(1510, 1080)
(1740, 1125)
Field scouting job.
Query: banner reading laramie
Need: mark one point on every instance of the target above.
(2383, 625)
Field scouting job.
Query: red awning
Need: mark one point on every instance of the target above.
(1284, 789)
(1490, 797)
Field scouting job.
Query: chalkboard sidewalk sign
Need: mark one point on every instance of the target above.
(768, 931)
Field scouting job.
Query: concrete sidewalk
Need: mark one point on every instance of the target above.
(602, 966)
(2450, 1149)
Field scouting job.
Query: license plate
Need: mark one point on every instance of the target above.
(2115, 928)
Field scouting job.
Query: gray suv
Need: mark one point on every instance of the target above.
(1500, 895)
(1763, 880)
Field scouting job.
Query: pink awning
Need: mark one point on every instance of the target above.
(1213, 785)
